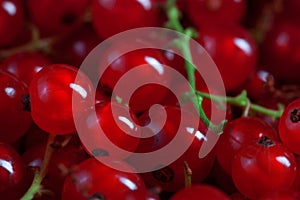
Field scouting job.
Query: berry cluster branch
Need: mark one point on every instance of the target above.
(36, 186)
(183, 44)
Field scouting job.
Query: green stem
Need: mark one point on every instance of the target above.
(39, 176)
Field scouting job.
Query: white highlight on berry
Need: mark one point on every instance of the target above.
(242, 44)
(9, 7)
(127, 122)
(283, 160)
(198, 134)
(80, 90)
(145, 3)
(131, 185)
(11, 92)
(6, 165)
(155, 64)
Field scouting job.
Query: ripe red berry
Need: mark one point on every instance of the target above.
(24, 65)
(238, 133)
(57, 16)
(11, 21)
(233, 50)
(54, 96)
(211, 11)
(289, 126)
(92, 179)
(200, 191)
(15, 118)
(123, 15)
(263, 166)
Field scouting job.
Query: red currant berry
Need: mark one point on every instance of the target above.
(200, 191)
(234, 51)
(57, 16)
(236, 134)
(117, 124)
(171, 177)
(11, 21)
(14, 116)
(210, 11)
(281, 195)
(53, 91)
(289, 126)
(11, 168)
(24, 65)
(93, 180)
(280, 51)
(263, 166)
(123, 15)
(149, 67)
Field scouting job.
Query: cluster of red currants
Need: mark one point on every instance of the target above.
(255, 45)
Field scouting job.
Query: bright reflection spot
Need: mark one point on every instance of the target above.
(79, 48)
(11, 92)
(263, 75)
(6, 165)
(80, 90)
(127, 122)
(131, 185)
(242, 44)
(198, 134)
(282, 39)
(9, 7)
(283, 160)
(145, 3)
(155, 64)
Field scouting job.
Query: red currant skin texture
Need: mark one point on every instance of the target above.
(91, 179)
(263, 166)
(112, 17)
(289, 126)
(281, 195)
(24, 65)
(11, 168)
(197, 192)
(57, 16)
(11, 21)
(233, 50)
(280, 51)
(150, 65)
(201, 11)
(51, 97)
(238, 133)
(15, 119)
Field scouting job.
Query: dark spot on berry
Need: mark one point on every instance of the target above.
(164, 175)
(99, 152)
(96, 196)
(26, 102)
(295, 115)
(68, 19)
(265, 141)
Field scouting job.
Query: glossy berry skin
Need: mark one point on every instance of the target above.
(24, 65)
(233, 50)
(73, 48)
(206, 11)
(123, 15)
(171, 177)
(280, 51)
(263, 166)
(91, 179)
(11, 21)
(289, 126)
(117, 124)
(238, 133)
(11, 168)
(281, 195)
(139, 66)
(57, 16)
(51, 97)
(200, 191)
(15, 119)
